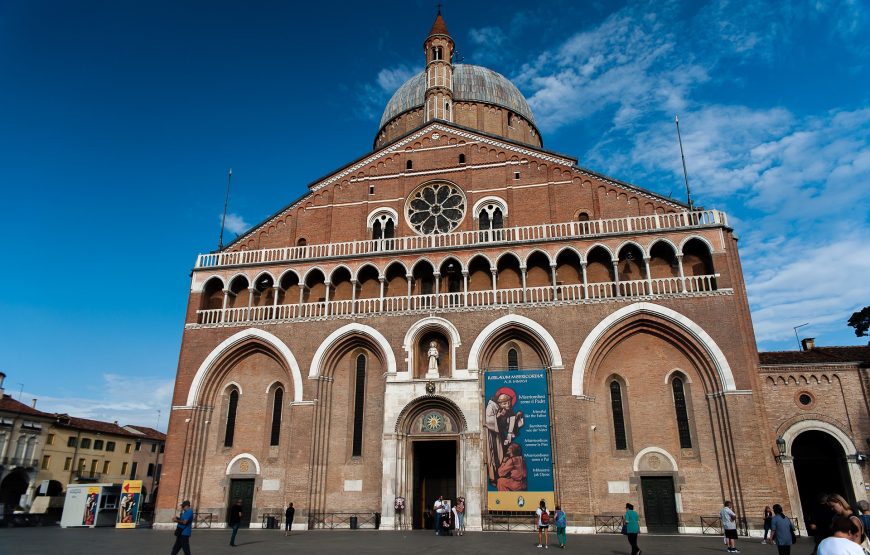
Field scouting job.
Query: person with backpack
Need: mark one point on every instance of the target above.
(543, 517)
(561, 524)
(783, 530)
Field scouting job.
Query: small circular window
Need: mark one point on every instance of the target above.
(805, 399)
(436, 208)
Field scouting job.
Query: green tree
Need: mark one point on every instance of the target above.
(860, 321)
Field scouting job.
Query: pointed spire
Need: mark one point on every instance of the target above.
(439, 27)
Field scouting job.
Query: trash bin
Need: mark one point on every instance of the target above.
(354, 523)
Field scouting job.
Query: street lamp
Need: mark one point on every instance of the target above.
(780, 446)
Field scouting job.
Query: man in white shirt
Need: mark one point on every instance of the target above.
(729, 526)
(847, 534)
(439, 514)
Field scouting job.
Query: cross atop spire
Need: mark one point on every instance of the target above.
(439, 27)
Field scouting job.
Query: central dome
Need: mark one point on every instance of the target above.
(470, 83)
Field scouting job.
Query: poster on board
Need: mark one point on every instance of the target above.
(128, 508)
(519, 456)
(92, 502)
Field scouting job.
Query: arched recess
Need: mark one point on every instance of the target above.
(412, 410)
(241, 457)
(265, 339)
(541, 338)
(423, 326)
(373, 338)
(659, 451)
(709, 351)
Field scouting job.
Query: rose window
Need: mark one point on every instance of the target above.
(436, 208)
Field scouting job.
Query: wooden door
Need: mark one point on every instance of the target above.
(659, 503)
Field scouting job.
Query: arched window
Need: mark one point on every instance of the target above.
(461, 158)
(618, 416)
(583, 217)
(513, 359)
(231, 418)
(358, 405)
(301, 242)
(682, 414)
(436, 53)
(377, 232)
(490, 213)
(277, 405)
(409, 165)
(510, 119)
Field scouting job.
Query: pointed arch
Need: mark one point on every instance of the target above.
(696, 332)
(345, 332)
(232, 342)
(554, 356)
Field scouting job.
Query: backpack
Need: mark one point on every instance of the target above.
(561, 519)
(545, 518)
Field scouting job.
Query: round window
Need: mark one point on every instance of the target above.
(436, 208)
(805, 399)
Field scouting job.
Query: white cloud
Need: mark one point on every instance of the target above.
(796, 191)
(488, 44)
(376, 93)
(125, 399)
(628, 64)
(236, 224)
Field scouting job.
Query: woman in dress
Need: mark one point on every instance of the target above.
(632, 528)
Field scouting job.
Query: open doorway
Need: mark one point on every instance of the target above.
(434, 464)
(820, 468)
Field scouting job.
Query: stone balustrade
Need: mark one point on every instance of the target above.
(445, 302)
(460, 239)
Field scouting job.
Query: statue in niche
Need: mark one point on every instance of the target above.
(433, 359)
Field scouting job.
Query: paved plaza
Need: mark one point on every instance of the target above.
(77, 541)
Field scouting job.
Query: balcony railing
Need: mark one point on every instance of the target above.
(20, 461)
(524, 234)
(571, 293)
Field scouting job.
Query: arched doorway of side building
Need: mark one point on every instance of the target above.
(13, 486)
(820, 468)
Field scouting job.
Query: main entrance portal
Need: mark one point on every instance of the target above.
(434, 464)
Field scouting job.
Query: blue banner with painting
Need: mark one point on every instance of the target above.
(518, 451)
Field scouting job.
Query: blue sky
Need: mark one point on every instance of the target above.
(120, 119)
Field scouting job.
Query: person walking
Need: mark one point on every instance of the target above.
(543, 523)
(632, 527)
(561, 524)
(288, 519)
(768, 518)
(729, 526)
(235, 520)
(183, 528)
(783, 531)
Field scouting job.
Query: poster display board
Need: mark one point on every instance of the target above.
(128, 510)
(518, 451)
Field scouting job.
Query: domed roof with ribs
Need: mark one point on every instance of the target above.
(470, 84)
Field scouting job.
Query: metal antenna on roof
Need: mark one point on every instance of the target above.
(224, 218)
(685, 173)
(796, 335)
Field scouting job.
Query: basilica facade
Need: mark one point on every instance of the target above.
(461, 312)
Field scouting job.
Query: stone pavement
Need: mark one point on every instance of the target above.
(99, 541)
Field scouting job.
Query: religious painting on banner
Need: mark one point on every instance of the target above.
(519, 456)
(92, 502)
(128, 510)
